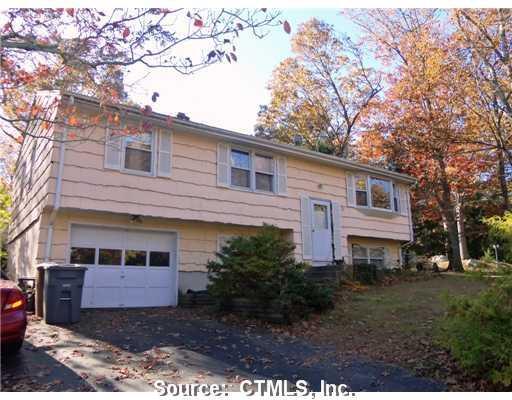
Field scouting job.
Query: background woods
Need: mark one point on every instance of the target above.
(435, 104)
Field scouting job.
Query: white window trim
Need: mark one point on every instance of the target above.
(252, 170)
(367, 249)
(369, 195)
(153, 157)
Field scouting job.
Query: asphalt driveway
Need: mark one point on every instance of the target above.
(127, 350)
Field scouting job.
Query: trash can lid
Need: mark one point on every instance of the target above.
(61, 267)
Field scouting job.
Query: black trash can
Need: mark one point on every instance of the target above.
(63, 293)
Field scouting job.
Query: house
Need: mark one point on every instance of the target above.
(145, 213)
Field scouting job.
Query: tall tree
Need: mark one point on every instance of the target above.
(421, 122)
(321, 92)
(89, 50)
(484, 39)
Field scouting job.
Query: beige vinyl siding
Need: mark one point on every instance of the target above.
(191, 192)
(23, 234)
(197, 240)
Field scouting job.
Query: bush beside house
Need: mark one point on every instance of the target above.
(259, 275)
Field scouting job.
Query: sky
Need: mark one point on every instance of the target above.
(228, 95)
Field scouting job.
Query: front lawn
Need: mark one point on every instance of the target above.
(397, 324)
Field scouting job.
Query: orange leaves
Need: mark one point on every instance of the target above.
(20, 139)
(126, 32)
(70, 12)
(73, 120)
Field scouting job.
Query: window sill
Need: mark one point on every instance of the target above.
(376, 212)
(249, 190)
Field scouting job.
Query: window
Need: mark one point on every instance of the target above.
(361, 191)
(380, 193)
(264, 170)
(138, 152)
(109, 257)
(240, 168)
(159, 259)
(359, 254)
(377, 256)
(321, 217)
(365, 255)
(82, 255)
(252, 170)
(376, 193)
(136, 258)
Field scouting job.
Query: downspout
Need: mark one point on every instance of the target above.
(58, 190)
(409, 224)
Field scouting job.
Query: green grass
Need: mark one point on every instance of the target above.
(395, 323)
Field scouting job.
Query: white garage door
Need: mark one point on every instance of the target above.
(125, 268)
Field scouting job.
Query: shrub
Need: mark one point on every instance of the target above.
(478, 331)
(365, 273)
(500, 232)
(262, 268)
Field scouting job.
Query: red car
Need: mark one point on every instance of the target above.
(13, 316)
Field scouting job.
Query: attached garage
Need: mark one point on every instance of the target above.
(126, 267)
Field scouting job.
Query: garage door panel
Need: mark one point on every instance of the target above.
(134, 297)
(87, 297)
(89, 276)
(107, 296)
(134, 277)
(158, 277)
(107, 276)
(158, 296)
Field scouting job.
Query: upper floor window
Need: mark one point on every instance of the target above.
(264, 172)
(380, 193)
(240, 168)
(138, 152)
(376, 193)
(361, 191)
(252, 170)
(144, 153)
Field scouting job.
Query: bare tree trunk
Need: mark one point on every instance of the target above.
(447, 209)
(461, 229)
(502, 176)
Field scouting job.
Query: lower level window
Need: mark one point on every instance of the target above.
(82, 255)
(365, 255)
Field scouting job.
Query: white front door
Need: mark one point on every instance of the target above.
(125, 267)
(321, 230)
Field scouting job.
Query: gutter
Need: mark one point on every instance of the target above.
(58, 191)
